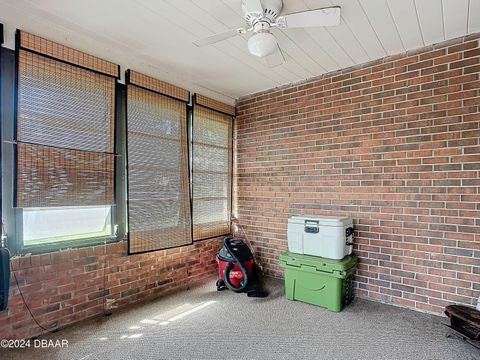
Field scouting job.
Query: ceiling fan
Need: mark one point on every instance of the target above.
(262, 15)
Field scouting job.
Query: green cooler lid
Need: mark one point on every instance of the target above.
(319, 263)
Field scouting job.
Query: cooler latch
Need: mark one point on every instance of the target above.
(311, 226)
(349, 236)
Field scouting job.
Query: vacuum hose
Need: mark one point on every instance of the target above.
(231, 264)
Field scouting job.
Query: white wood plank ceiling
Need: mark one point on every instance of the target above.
(155, 36)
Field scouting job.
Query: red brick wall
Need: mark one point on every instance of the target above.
(393, 143)
(67, 286)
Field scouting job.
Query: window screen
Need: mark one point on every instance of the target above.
(65, 140)
(158, 190)
(211, 170)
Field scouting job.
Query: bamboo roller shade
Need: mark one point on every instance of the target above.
(212, 170)
(61, 52)
(65, 128)
(214, 104)
(48, 176)
(158, 188)
(147, 82)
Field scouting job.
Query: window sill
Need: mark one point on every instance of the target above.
(64, 245)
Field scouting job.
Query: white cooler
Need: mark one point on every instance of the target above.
(326, 236)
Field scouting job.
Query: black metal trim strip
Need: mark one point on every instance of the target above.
(189, 172)
(127, 197)
(1, 108)
(193, 168)
(116, 120)
(231, 174)
(7, 86)
(15, 118)
(191, 158)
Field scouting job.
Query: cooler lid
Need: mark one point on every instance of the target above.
(322, 220)
(319, 263)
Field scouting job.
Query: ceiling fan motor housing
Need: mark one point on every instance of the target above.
(271, 9)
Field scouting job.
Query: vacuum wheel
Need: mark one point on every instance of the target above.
(220, 285)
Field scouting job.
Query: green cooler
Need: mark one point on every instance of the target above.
(319, 281)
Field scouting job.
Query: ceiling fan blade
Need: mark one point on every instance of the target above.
(275, 59)
(253, 6)
(219, 37)
(321, 17)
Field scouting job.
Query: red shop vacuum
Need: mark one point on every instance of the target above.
(237, 270)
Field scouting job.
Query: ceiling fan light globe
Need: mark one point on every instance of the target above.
(262, 44)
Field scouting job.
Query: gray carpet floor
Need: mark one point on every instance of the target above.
(205, 324)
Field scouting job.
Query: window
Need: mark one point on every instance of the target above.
(64, 157)
(80, 222)
(158, 189)
(65, 162)
(212, 168)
